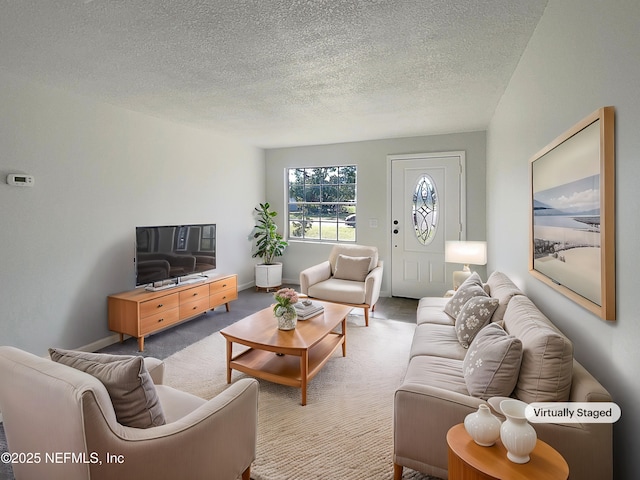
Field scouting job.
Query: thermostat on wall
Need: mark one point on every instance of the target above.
(20, 180)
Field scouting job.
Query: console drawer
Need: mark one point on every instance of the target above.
(223, 284)
(157, 305)
(194, 293)
(159, 320)
(221, 298)
(190, 309)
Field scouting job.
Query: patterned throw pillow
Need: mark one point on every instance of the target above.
(471, 287)
(492, 363)
(473, 316)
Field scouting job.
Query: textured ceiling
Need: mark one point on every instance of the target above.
(274, 72)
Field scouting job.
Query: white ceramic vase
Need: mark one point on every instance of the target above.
(517, 435)
(483, 426)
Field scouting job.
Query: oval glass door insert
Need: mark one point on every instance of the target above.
(424, 210)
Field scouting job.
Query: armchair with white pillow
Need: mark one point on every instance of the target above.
(352, 276)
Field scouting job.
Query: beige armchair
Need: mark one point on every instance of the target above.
(352, 276)
(65, 420)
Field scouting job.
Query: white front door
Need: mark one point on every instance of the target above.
(427, 208)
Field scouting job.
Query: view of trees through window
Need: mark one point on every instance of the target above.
(322, 203)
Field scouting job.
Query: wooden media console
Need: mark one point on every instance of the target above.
(140, 312)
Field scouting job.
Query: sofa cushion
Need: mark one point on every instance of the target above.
(475, 314)
(177, 404)
(431, 310)
(492, 363)
(439, 372)
(352, 268)
(436, 340)
(471, 287)
(338, 290)
(501, 287)
(127, 381)
(547, 358)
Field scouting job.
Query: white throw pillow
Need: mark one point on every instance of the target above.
(352, 268)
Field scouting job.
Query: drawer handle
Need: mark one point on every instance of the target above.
(160, 320)
(224, 297)
(195, 294)
(195, 308)
(160, 305)
(224, 285)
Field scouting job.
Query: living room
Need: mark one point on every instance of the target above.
(100, 170)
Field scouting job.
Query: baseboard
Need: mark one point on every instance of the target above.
(244, 286)
(285, 281)
(102, 343)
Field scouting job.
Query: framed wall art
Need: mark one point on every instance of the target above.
(572, 239)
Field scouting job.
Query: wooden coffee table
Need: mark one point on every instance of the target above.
(290, 357)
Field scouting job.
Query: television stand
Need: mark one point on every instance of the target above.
(141, 312)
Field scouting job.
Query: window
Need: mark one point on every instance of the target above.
(208, 238)
(322, 203)
(424, 210)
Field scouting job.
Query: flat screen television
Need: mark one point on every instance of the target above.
(173, 251)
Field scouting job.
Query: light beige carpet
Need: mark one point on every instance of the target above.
(344, 432)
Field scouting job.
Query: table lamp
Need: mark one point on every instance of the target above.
(466, 253)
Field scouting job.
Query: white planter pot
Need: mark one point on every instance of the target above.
(269, 276)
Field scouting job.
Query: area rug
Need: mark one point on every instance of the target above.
(346, 429)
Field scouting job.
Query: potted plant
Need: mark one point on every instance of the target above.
(269, 244)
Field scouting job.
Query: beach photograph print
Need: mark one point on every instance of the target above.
(566, 214)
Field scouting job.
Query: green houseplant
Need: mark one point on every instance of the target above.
(269, 244)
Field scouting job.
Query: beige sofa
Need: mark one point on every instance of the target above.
(65, 420)
(434, 394)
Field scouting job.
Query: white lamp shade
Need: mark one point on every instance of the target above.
(466, 253)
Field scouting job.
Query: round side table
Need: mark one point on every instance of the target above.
(470, 461)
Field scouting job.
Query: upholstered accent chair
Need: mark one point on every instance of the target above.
(50, 408)
(352, 275)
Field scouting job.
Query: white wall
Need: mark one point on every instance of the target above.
(582, 56)
(371, 159)
(68, 242)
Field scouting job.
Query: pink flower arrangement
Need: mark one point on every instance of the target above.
(286, 296)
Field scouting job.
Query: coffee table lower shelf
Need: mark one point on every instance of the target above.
(293, 367)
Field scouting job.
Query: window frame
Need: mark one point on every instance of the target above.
(323, 187)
